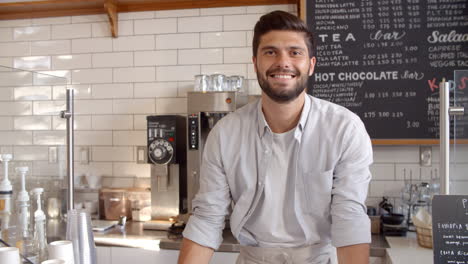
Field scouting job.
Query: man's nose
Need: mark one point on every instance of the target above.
(283, 61)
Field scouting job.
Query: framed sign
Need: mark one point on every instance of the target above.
(384, 60)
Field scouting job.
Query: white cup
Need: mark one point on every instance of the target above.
(90, 207)
(9, 255)
(62, 249)
(54, 261)
(78, 205)
(94, 181)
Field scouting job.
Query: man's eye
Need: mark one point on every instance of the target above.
(269, 52)
(296, 53)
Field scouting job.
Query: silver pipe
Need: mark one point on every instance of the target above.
(444, 126)
(456, 110)
(69, 115)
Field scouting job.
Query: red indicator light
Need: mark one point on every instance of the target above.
(171, 139)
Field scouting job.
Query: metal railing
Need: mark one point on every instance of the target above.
(445, 111)
(69, 115)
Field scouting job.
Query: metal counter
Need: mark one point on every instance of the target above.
(133, 235)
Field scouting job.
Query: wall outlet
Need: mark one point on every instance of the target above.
(425, 156)
(84, 155)
(141, 154)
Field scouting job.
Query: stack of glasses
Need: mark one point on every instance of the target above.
(219, 83)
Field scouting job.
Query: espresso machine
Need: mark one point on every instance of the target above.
(204, 110)
(167, 154)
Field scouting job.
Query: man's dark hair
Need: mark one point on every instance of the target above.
(280, 20)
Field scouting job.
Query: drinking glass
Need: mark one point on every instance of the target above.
(202, 83)
(237, 83)
(217, 82)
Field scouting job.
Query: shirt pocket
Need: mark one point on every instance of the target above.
(317, 192)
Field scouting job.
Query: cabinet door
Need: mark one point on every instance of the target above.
(122, 255)
(166, 256)
(103, 255)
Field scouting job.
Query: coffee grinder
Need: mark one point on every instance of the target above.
(167, 154)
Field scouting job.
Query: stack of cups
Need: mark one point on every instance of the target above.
(79, 231)
(62, 250)
(9, 255)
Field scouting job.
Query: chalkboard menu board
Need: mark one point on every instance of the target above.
(384, 60)
(450, 229)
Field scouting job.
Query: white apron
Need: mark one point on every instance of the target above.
(315, 254)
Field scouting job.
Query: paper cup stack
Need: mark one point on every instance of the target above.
(61, 250)
(9, 255)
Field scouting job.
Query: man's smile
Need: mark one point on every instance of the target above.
(282, 76)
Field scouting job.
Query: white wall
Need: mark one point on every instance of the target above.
(146, 70)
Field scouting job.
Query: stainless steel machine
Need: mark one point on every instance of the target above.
(167, 154)
(204, 110)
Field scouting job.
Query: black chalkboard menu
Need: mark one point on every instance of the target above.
(384, 60)
(450, 229)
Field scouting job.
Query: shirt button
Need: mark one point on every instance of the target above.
(267, 151)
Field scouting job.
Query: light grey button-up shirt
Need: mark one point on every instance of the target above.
(331, 181)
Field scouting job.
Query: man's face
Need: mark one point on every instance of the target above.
(283, 65)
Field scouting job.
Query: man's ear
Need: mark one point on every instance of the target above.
(313, 60)
(254, 61)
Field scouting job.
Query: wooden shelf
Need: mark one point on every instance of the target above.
(55, 8)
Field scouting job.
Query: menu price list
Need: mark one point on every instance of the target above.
(384, 60)
(450, 229)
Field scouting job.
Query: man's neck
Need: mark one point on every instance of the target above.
(282, 117)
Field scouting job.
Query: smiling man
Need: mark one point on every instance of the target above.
(295, 167)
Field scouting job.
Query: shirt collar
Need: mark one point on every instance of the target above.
(263, 125)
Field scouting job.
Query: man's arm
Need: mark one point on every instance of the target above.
(193, 253)
(350, 228)
(354, 254)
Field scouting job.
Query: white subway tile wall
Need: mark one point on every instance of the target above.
(31, 33)
(146, 70)
(6, 93)
(32, 63)
(51, 47)
(70, 62)
(6, 34)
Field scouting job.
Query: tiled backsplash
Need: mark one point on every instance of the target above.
(147, 70)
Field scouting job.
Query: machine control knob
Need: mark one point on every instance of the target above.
(160, 151)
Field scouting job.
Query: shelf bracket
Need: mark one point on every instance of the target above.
(111, 9)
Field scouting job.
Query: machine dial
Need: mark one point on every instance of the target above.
(160, 151)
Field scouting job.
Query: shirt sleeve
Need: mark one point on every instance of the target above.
(350, 223)
(211, 204)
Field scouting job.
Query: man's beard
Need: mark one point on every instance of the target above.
(283, 96)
